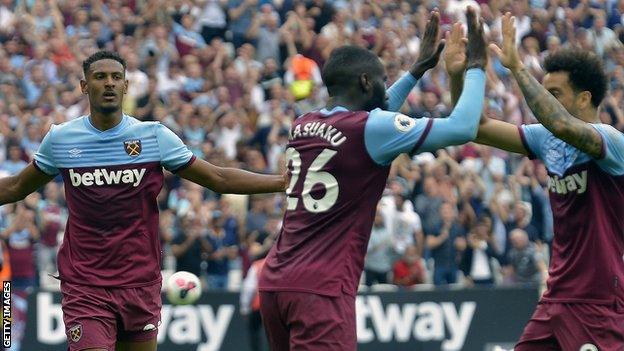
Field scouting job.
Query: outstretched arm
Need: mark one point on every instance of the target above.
(544, 105)
(556, 118)
(431, 48)
(491, 132)
(17, 187)
(461, 126)
(176, 157)
(231, 180)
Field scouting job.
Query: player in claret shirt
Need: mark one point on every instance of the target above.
(583, 306)
(112, 167)
(340, 158)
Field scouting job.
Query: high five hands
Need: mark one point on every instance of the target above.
(461, 52)
(430, 47)
(508, 52)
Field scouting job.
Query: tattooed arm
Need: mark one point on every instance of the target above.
(544, 105)
(556, 118)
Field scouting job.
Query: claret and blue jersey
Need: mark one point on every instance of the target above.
(340, 161)
(587, 198)
(111, 181)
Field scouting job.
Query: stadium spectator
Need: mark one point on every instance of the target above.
(250, 306)
(221, 254)
(409, 270)
(446, 241)
(14, 164)
(190, 245)
(51, 215)
(380, 253)
(476, 261)
(525, 263)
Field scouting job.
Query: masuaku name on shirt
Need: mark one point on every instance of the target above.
(320, 130)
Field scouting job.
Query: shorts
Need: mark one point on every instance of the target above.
(307, 321)
(98, 317)
(574, 327)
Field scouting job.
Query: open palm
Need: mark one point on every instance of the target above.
(508, 53)
(455, 51)
(430, 48)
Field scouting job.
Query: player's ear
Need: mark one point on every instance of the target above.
(125, 86)
(365, 82)
(83, 86)
(583, 99)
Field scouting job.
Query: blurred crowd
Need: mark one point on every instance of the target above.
(229, 77)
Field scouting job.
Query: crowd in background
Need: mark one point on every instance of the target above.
(229, 77)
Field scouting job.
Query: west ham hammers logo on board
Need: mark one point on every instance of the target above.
(132, 147)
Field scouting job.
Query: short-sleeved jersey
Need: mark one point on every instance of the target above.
(587, 199)
(340, 162)
(111, 181)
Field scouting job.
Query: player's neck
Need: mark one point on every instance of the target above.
(345, 102)
(589, 116)
(105, 121)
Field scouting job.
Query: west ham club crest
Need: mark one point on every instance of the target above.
(75, 333)
(132, 147)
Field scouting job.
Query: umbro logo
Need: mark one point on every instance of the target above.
(74, 153)
(554, 153)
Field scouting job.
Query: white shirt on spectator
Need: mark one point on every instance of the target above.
(403, 223)
(211, 15)
(227, 139)
(138, 83)
(7, 20)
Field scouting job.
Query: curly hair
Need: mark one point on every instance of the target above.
(585, 71)
(102, 55)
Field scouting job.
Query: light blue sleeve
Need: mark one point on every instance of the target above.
(612, 160)
(43, 158)
(388, 134)
(398, 92)
(534, 138)
(462, 124)
(174, 155)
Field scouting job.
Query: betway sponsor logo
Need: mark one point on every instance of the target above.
(180, 325)
(576, 182)
(102, 176)
(426, 321)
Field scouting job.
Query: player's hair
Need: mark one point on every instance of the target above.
(585, 71)
(102, 55)
(345, 64)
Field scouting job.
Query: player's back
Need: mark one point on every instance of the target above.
(331, 203)
(587, 197)
(112, 179)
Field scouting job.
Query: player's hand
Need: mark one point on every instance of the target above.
(508, 53)
(430, 48)
(455, 51)
(476, 53)
(285, 178)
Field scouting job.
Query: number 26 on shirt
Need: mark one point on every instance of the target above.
(312, 176)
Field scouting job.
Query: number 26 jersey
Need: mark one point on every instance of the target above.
(339, 163)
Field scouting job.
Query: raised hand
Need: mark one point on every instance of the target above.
(430, 47)
(508, 54)
(476, 53)
(455, 51)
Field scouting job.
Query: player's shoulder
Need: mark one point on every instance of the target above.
(67, 130)
(608, 131)
(136, 125)
(379, 118)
